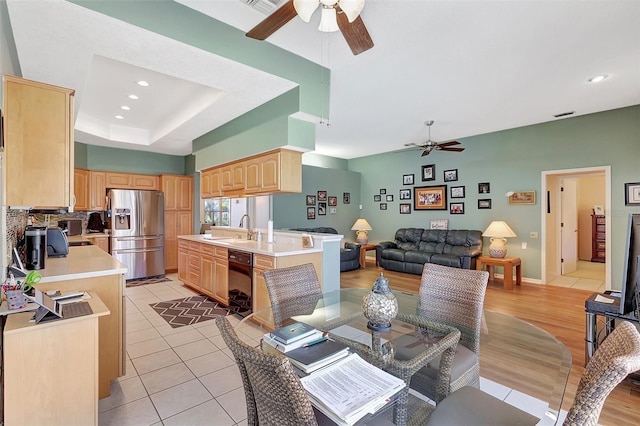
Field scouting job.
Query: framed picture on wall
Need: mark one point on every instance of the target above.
(322, 209)
(522, 197)
(405, 194)
(484, 203)
(407, 179)
(430, 197)
(429, 172)
(439, 224)
(456, 208)
(346, 198)
(377, 198)
(311, 212)
(333, 201)
(311, 200)
(451, 175)
(632, 194)
(457, 192)
(383, 206)
(389, 198)
(383, 191)
(405, 208)
(322, 195)
(484, 188)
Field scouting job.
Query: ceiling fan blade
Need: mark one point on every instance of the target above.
(449, 143)
(273, 22)
(425, 153)
(451, 149)
(355, 33)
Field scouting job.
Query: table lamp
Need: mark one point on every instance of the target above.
(361, 227)
(498, 231)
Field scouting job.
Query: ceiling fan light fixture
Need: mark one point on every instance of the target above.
(328, 20)
(305, 8)
(351, 8)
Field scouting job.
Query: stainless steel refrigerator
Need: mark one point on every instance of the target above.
(137, 231)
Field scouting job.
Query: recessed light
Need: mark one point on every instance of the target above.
(597, 78)
(143, 83)
(134, 97)
(124, 107)
(119, 117)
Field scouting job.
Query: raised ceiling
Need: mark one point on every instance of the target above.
(473, 67)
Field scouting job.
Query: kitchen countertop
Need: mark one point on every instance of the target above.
(258, 247)
(81, 262)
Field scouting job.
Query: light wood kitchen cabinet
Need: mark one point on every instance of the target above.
(98, 191)
(221, 286)
(66, 390)
(38, 144)
(101, 241)
(132, 181)
(183, 261)
(178, 215)
(260, 294)
(207, 270)
(81, 189)
(278, 171)
(210, 182)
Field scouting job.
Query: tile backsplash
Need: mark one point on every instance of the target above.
(17, 221)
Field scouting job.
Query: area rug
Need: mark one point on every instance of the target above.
(191, 310)
(149, 280)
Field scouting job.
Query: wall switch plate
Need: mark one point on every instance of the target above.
(524, 246)
(533, 234)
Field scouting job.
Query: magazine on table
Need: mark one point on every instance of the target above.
(294, 345)
(315, 355)
(351, 388)
(293, 332)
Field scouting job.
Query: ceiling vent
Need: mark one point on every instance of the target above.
(264, 6)
(564, 114)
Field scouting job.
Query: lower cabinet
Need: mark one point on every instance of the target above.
(102, 242)
(221, 286)
(260, 295)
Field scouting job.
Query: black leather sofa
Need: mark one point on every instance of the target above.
(413, 247)
(349, 254)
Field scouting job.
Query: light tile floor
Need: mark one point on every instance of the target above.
(588, 276)
(187, 376)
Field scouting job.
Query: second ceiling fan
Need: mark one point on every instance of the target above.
(430, 145)
(336, 14)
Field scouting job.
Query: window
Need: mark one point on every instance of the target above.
(216, 211)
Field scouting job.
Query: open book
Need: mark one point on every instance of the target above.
(351, 388)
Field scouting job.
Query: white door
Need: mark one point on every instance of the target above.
(569, 225)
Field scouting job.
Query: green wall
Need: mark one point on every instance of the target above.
(124, 160)
(512, 160)
(290, 210)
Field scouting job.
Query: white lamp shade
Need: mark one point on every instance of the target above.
(351, 8)
(328, 20)
(498, 230)
(305, 8)
(361, 227)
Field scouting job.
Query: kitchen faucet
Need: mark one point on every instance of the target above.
(249, 232)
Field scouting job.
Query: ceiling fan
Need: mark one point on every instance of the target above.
(430, 145)
(336, 14)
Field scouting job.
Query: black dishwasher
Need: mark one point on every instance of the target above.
(240, 281)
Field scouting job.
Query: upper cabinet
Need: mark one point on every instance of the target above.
(81, 189)
(98, 192)
(178, 192)
(38, 138)
(278, 171)
(132, 181)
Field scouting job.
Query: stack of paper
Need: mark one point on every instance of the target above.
(351, 388)
(294, 345)
(313, 356)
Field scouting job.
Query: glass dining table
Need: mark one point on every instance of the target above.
(519, 362)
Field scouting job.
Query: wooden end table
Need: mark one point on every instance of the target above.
(508, 263)
(364, 248)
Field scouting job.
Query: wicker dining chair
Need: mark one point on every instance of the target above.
(293, 291)
(454, 297)
(272, 388)
(617, 356)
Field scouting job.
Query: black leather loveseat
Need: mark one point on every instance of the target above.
(349, 254)
(413, 247)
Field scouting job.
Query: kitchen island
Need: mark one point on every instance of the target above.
(88, 268)
(203, 261)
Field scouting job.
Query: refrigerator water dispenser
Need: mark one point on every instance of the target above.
(122, 219)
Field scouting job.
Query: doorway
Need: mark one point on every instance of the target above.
(570, 196)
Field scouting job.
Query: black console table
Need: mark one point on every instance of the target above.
(609, 313)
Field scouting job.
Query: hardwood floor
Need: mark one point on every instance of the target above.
(558, 310)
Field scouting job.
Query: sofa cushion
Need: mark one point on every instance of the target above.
(452, 260)
(433, 240)
(394, 254)
(421, 257)
(408, 238)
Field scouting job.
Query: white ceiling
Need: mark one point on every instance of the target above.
(472, 66)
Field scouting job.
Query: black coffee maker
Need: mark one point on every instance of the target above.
(36, 246)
